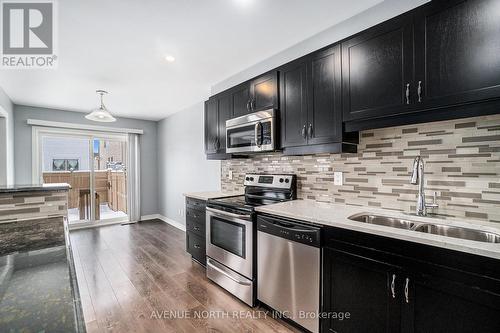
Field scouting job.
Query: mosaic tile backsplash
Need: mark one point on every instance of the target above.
(462, 164)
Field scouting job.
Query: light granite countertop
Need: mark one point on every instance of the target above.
(212, 194)
(336, 215)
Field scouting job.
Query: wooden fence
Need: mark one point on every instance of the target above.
(111, 186)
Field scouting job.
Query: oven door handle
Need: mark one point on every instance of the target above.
(227, 214)
(214, 267)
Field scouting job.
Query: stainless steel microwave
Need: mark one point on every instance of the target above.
(254, 132)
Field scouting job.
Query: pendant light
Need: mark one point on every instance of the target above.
(101, 114)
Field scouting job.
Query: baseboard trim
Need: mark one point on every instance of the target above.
(165, 219)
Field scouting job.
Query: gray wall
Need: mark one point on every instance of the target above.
(149, 166)
(182, 165)
(370, 17)
(8, 113)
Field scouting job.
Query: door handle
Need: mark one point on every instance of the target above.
(407, 93)
(310, 131)
(407, 299)
(248, 106)
(214, 267)
(304, 132)
(419, 91)
(393, 286)
(258, 134)
(228, 214)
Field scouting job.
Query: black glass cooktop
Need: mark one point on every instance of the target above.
(242, 202)
(238, 202)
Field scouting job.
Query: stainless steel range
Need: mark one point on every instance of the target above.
(231, 232)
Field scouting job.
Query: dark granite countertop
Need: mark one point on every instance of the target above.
(38, 292)
(34, 188)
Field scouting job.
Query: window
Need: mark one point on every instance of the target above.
(65, 165)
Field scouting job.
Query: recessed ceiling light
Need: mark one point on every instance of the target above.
(170, 58)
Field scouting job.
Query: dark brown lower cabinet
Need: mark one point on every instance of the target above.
(195, 229)
(388, 285)
(361, 287)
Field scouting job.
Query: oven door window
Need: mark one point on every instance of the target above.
(241, 137)
(227, 235)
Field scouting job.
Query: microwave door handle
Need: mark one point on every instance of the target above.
(258, 134)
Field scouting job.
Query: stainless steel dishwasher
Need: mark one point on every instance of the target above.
(288, 269)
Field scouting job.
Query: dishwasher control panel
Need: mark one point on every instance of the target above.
(294, 231)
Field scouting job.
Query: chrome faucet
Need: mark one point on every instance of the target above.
(418, 178)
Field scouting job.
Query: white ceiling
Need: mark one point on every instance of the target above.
(120, 45)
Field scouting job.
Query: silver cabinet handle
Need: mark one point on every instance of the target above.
(406, 290)
(304, 132)
(419, 91)
(248, 106)
(393, 286)
(407, 93)
(310, 131)
(196, 246)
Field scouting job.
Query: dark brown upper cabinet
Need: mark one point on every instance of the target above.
(325, 101)
(437, 62)
(259, 94)
(264, 92)
(457, 46)
(293, 91)
(211, 126)
(217, 111)
(311, 104)
(224, 113)
(377, 71)
(240, 99)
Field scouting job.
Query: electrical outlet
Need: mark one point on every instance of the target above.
(338, 178)
(230, 175)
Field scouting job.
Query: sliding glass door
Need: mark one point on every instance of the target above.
(95, 165)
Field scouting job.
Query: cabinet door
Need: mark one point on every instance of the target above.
(325, 101)
(293, 96)
(458, 48)
(241, 100)
(211, 126)
(362, 287)
(377, 70)
(224, 114)
(195, 245)
(438, 304)
(264, 92)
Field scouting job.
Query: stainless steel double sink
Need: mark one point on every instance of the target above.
(426, 227)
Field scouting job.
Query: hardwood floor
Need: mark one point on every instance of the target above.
(138, 278)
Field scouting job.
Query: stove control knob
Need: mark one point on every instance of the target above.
(287, 180)
(281, 180)
(247, 178)
(251, 179)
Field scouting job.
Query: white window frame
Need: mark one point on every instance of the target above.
(37, 162)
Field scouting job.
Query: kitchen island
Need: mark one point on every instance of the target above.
(38, 287)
